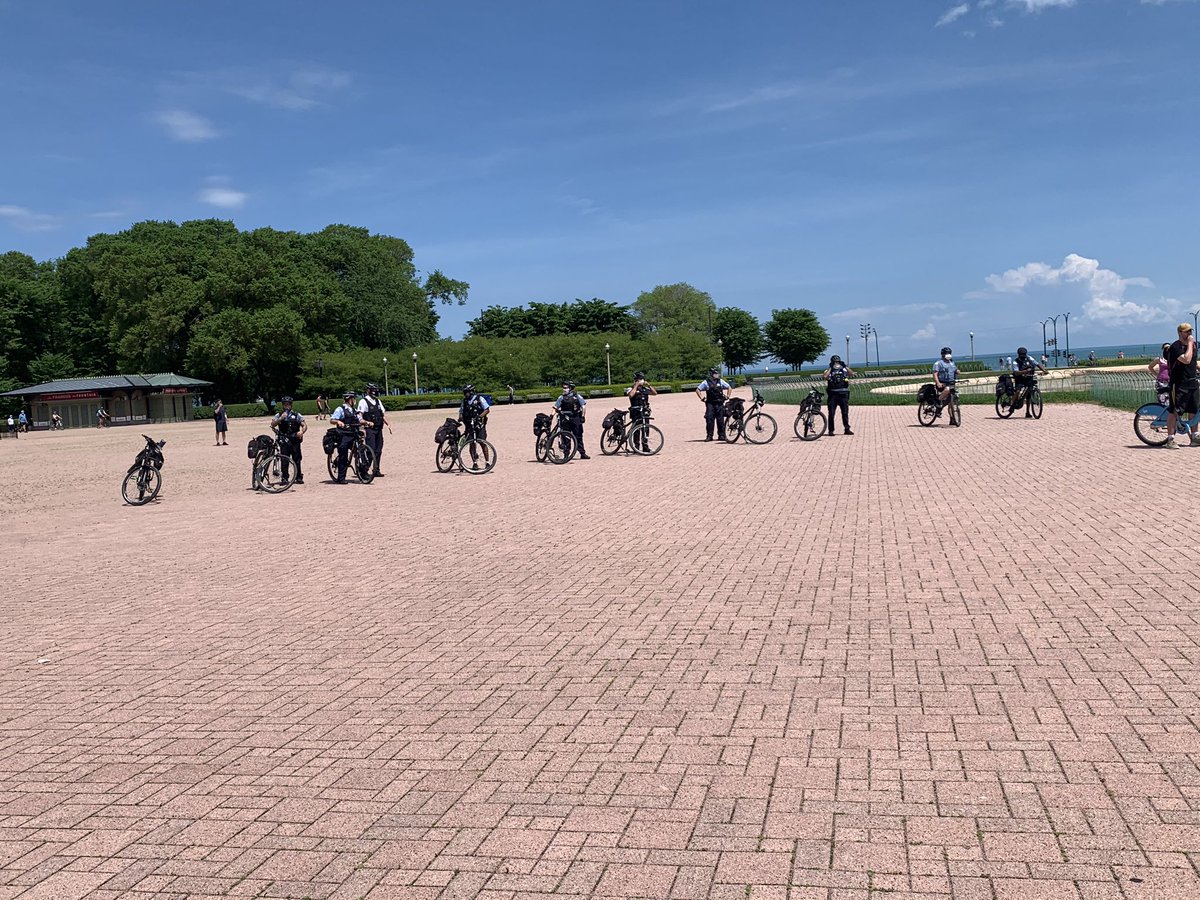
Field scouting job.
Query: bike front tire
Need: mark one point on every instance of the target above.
(362, 461)
(141, 485)
(1150, 424)
(956, 410)
(1035, 403)
(810, 425)
(760, 428)
(647, 440)
(477, 456)
(270, 475)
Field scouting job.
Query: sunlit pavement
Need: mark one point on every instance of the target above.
(931, 662)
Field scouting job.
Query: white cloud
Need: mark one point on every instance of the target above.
(182, 125)
(24, 219)
(866, 312)
(218, 193)
(953, 14)
(1106, 305)
(301, 89)
(1039, 5)
(926, 333)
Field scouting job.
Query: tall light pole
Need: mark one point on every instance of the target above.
(876, 333)
(971, 335)
(320, 367)
(847, 349)
(721, 350)
(1044, 321)
(385, 387)
(416, 383)
(1067, 334)
(865, 331)
(1196, 321)
(1054, 340)
(608, 362)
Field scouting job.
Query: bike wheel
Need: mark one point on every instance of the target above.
(270, 474)
(444, 459)
(927, 412)
(810, 425)
(362, 461)
(956, 409)
(477, 456)
(760, 428)
(141, 485)
(539, 447)
(1004, 407)
(610, 441)
(647, 440)
(733, 429)
(1035, 403)
(331, 464)
(1150, 424)
(561, 447)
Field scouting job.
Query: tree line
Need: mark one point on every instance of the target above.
(263, 313)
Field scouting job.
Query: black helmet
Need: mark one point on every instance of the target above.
(373, 387)
(469, 390)
(285, 400)
(348, 395)
(1021, 351)
(946, 351)
(638, 376)
(714, 371)
(834, 359)
(570, 385)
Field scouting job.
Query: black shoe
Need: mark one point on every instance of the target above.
(584, 456)
(378, 475)
(339, 481)
(299, 481)
(708, 439)
(847, 431)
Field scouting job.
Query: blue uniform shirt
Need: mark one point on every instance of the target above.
(947, 372)
(578, 396)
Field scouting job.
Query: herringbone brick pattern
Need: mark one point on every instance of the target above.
(919, 663)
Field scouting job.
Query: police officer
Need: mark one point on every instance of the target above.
(570, 406)
(1024, 369)
(714, 391)
(639, 394)
(371, 411)
(945, 374)
(347, 421)
(837, 386)
(473, 413)
(290, 426)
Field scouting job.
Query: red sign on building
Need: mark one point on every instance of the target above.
(70, 395)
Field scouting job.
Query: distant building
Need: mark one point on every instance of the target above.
(128, 399)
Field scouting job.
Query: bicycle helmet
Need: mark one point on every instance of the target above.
(834, 359)
(1022, 353)
(946, 351)
(715, 371)
(638, 376)
(285, 400)
(569, 385)
(373, 388)
(349, 395)
(469, 390)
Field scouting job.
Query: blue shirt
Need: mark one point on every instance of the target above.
(704, 385)
(476, 406)
(345, 413)
(578, 396)
(946, 372)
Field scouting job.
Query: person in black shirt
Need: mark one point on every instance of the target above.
(639, 395)
(837, 384)
(1185, 385)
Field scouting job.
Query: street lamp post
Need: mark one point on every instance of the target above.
(1067, 334)
(1054, 340)
(608, 362)
(847, 349)
(971, 335)
(1044, 321)
(416, 383)
(320, 367)
(875, 332)
(721, 350)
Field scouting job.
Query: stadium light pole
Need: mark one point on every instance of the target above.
(864, 329)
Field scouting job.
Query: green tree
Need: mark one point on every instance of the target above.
(740, 335)
(795, 336)
(675, 306)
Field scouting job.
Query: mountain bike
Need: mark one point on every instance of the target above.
(1009, 401)
(810, 422)
(556, 444)
(361, 459)
(756, 426)
(640, 437)
(273, 469)
(930, 406)
(1150, 423)
(143, 480)
(464, 450)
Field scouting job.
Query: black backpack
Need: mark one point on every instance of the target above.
(541, 424)
(264, 443)
(617, 415)
(838, 380)
(446, 431)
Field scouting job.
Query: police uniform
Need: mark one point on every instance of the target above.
(947, 374)
(1024, 369)
(571, 405)
(713, 388)
(370, 411)
(639, 408)
(288, 424)
(837, 386)
(348, 415)
(471, 412)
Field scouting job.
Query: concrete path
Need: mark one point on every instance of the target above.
(918, 663)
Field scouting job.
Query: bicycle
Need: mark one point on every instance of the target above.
(640, 437)
(143, 480)
(930, 405)
(1009, 399)
(452, 443)
(556, 443)
(810, 422)
(273, 470)
(361, 459)
(756, 426)
(1150, 423)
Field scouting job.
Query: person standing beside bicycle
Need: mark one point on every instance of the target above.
(945, 376)
(1024, 369)
(714, 391)
(347, 421)
(371, 411)
(472, 414)
(837, 386)
(1185, 385)
(290, 426)
(570, 406)
(639, 394)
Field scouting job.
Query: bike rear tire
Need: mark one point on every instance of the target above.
(733, 429)
(611, 440)
(646, 440)
(927, 412)
(539, 447)
(1004, 407)
(810, 425)
(141, 485)
(331, 464)
(477, 456)
(270, 475)
(1150, 424)
(1035, 403)
(760, 428)
(560, 448)
(445, 458)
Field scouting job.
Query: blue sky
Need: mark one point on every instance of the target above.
(933, 168)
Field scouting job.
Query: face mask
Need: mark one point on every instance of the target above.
(948, 358)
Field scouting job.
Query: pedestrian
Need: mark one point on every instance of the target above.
(371, 411)
(639, 394)
(714, 391)
(12, 426)
(1185, 386)
(23, 422)
(512, 395)
(837, 383)
(570, 406)
(322, 406)
(221, 418)
(1092, 357)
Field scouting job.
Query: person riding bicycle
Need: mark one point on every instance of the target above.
(1024, 370)
(1161, 371)
(472, 414)
(570, 406)
(56, 421)
(714, 391)
(945, 375)
(371, 411)
(290, 426)
(639, 394)
(347, 421)
(1185, 386)
(837, 384)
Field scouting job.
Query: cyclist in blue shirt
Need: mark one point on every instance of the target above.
(945, 374)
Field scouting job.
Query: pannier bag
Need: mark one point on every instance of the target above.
(446, 431)
(1004, 385)
(617, 415)
(927, 393)
(329, 440)
(541, 423)
(735, 406)
(262, 444)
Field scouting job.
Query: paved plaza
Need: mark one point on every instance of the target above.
(912, 663)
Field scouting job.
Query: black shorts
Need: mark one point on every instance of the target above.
(1185, 400)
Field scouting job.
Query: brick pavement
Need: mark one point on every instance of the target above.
(828, 670)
